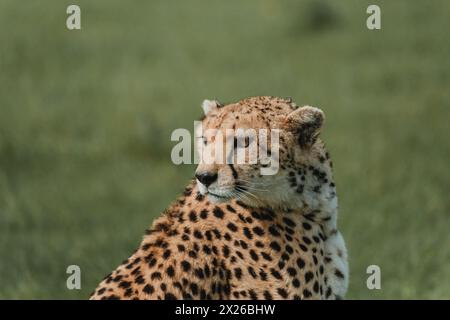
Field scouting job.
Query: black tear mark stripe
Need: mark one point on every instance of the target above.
(233, 170)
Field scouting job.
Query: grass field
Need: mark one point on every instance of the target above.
(86, 117)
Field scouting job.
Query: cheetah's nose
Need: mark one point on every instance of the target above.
(206, 178)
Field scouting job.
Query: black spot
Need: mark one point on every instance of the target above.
(253, 295)
(289, 222)
(226, 251)
(218, 213)
(156, 276)
(252, 272)
(169, 296)
(232, 227)
(308, 276)
(230, 208)
(263, 275)
(181, 248)
(259, 231)
(292, 272)
(124, 284)
(199, 273)
(254, 255)
(166, 254)
(242, 218)
(316, 287)
(204, 214)
(274, 231)
(289, 230)
(328, 293)
(101, 291)
(117, 279)
(193, 216)
(303, 247)
(198, 234)
(339, 274)
(266, 256)
(139, 279)
(128, 292)
(256, 215)
(194, 288)
(289, 249)
(248, 233)
(217, 234)
(296, 283)
(306, 240)
(185, 265)
(275, 274)
(148, 289)
(207, 271)
(238, 273)
(206, 249)
(170, 271)
(152, 262)
(307, 293)
(300, 263)
(306, 226)
(282, 292)
(267, 295)
(275, 246)
(243, 205)
(161, 243)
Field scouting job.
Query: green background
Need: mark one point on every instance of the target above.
(86, 118)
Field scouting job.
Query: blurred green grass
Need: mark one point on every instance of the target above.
(86, 117)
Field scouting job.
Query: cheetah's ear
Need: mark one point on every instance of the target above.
(210, 105)
(305, 123)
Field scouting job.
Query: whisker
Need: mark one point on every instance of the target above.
(247, 193)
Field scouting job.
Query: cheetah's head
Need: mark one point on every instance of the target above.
(301, 170)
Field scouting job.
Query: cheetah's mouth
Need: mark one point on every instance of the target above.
(218, 198)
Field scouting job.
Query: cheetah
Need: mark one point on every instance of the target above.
(237, 234)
